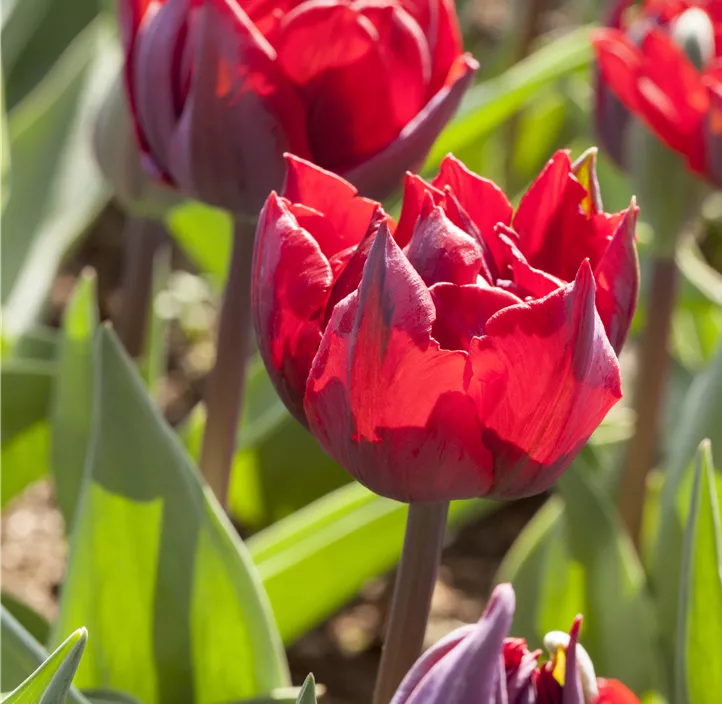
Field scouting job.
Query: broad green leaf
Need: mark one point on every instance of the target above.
(307, 695)
(573, 557)
(24, 459)
(39, 342)
(55, 188)
(549, 585)
(176, 599)
(26, 388)
(699, 417)
(108, 696)
(5, 156)
(620, 631)
(490, 104)
(71, 411)
(50, 683)
(35, 624)
(22, 655)
(204, 234)
(317, 559)
(34, 35)
(698, 666)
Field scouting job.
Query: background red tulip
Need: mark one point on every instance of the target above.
(221, 88)
(468, 350)
(661, 62)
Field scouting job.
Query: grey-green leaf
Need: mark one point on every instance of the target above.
(72, 399)
(155, 570)
(51, 682)
(698, 666)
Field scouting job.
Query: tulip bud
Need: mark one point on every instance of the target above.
(479, 664)
(120, 159)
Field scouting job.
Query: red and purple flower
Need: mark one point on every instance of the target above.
(468, 350)
(220, 89)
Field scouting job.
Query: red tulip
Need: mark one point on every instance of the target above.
(468, 350)
(219, 89)
(662, 63)
(479, 664)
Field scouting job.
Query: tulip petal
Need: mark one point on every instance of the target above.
(362, 399)
(713, 132)
(462, 312)
(484, 202)
(240, 115)
(361, 79)
(469, 672)
(154, 76)
(428, 659)
(382, 173)
(543, 378)
(614, 692)
(439, 23)
(572, 682)
(349, 277)
(347, 216)
(440, 251)
(617, 277)
(416, 192)
(287, 307)
(557, 226)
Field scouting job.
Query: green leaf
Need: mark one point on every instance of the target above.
(39, 342)
(50, 683)
(699, 417)
(26, 388)
(307, 695)
(574, 557)
(24, 460)
(317, 559)
(204, 234)
(5, 156)
(71, 412)
(35, 624)
(698, 666)
(620, 631)
(490, 104)
(56, 190)
(176, 599)
(109, 696)
(22, 655)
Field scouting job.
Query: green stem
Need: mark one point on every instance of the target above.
(653, 363)
(226, 382)
(142, 238)
(411, 600)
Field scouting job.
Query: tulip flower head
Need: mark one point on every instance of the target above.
(661, 63)
(468, 350)
(480, 664)
(219, 89)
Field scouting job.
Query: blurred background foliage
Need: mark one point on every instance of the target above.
(74, 409)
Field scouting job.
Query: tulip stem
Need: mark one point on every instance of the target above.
(142, 238)
(411, 601)
(226, 382)
(652, 366)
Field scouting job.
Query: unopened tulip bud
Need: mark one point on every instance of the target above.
(480, 664)
(120, 159)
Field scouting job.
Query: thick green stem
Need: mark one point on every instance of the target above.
(648, 395)
(226, 382)
(143, 236)
(411, 601)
